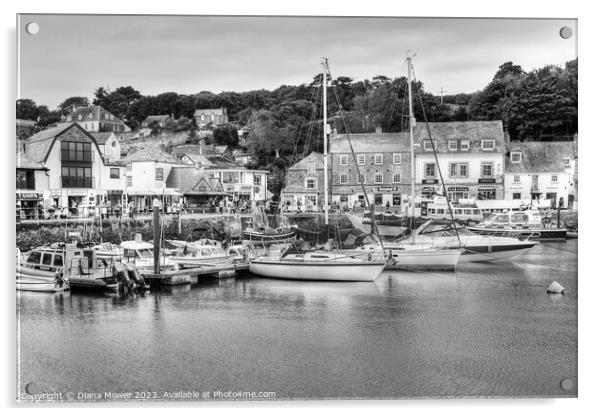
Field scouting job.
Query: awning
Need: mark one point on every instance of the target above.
(154, 192)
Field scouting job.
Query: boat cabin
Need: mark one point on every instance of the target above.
(515, 219)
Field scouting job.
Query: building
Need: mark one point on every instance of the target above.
(95, 118)
(241, 157)
(196, 186)
(382, 165)
(79, 177)
(471, 158)
(543, 173)
(237, 181)
(25, 128)
(305, 184)
(210, 116)
(32, 182)
(147, 172)
(109, 145)
(160, 121)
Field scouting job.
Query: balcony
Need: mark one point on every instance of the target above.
(75, 182)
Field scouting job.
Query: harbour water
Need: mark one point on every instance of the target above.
(485, 330)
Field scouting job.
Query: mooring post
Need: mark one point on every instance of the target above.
(156, 235)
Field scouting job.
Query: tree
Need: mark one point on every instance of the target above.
(226, 135)
(71, 102)
(27, 109)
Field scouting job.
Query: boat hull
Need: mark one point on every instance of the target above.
(534, 234)
(40, 284)
(340, 272)
(385, 231)
(260, 238)
(494, 252)
(427, 259)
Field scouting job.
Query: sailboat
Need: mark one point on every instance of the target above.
(320, 264)
(259, 231)
(411, 255)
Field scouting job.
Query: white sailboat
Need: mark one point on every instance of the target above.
(406, 255)
(320, 265)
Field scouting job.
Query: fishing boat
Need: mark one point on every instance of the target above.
(259, 232)
(65, 266)
(520, 224)
(319, 264)
(477, 247)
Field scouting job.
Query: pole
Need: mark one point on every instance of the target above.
(156, 235)
(412, 122)
(324, 111)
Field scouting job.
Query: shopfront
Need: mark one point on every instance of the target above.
(30, 206)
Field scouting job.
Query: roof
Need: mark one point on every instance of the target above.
(540, 156)
(313, 158)
(193, 181)
(150, 119)
(24, 161)
(38, 145)
(370, 143)
(212, 161)
(475, 131)
(91, 113)
(150, 154)
(209, 111)
(101, 138)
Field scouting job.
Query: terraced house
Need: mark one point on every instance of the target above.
(471, 158)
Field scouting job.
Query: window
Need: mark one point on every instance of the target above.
(26, 179)
(361, 178)
(515, 157)
(47, 259)
(457, 192)
(516, 196)
(90, 116)
(428, 192)
(76, 177)
(344, 160)
(343, 178)
(464, 144)
(58, 260)
(257, 179)
(310, 183)
(159, 174)
(516, 179)
(113, 143)
(453, 145)
(486, 192)
(361, 159)
(397, 158)
(458, 170)
(428, 145)
(114, 173)
(397, 178)
(487, 144)
(76, 152)
(378, 159)
(554, 178)
(378, 178)
(311, 168)
(429, 170)
(231, 177)
(487, 170)
(130, 180)
(567, 162)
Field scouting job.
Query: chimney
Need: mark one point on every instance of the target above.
(379, 130)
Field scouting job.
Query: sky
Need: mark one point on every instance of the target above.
(72, 55)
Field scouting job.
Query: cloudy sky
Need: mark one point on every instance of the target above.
(73, 55)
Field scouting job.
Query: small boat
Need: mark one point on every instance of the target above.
(317, 265)
(389, 225)
(199, 254)
(33, 280)
(520, 224)
(259, 232)
(140, 254)
(477, 247)
(108, 251)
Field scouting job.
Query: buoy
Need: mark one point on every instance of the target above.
(555, 288)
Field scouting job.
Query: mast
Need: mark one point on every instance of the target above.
(412, 122)
(324, 110)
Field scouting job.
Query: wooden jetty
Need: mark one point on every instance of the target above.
(185, 276)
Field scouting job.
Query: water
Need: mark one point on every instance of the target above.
(486, 330)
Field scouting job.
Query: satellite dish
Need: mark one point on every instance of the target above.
(566, 32)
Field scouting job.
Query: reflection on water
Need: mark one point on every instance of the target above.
(487, 329)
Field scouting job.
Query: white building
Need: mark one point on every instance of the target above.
(109, 145)
(79, 177)
(471, 158)
(94, 118)
(542, 173)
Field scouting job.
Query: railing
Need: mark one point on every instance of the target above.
(75, 182)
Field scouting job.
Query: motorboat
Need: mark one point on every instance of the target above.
(64, 266)
(414, 256)
(526, 224)
(140, 254)
(318, 265)
(199, 254)
(389, 225)
(476, 247)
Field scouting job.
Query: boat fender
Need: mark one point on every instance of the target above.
(555, 287)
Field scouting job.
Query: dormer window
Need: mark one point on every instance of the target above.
(516, 157)
(453, 145)
(464, 144)
(487, 144)
(428, 145)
